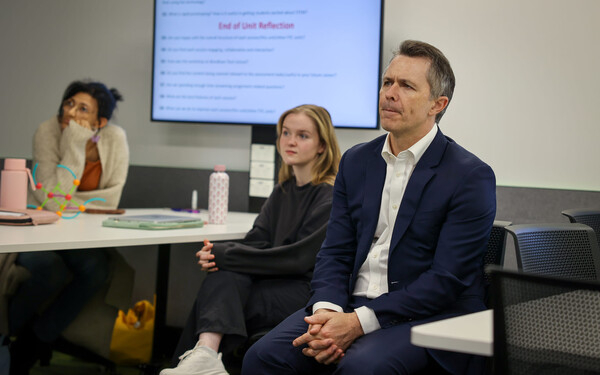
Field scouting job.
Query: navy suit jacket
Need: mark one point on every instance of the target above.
(435, 266)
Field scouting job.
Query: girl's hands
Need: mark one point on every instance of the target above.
(205, 257)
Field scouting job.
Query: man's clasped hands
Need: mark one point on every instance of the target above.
(329, 334)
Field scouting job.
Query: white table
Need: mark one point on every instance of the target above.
(471, 333)
(86, 231)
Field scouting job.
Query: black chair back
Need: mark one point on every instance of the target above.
(494, 254)
(567, 250)
(587, 216)
(496, 246)
(545, 325)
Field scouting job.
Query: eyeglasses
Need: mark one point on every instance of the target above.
(81, 108)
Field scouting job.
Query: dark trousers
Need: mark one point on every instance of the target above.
(71, 277)
(237, 305)
(386, 351)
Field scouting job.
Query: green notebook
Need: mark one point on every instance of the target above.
(153, 222)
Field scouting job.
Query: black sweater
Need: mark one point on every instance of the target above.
(290, 214)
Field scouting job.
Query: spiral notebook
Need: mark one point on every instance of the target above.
(153, 222)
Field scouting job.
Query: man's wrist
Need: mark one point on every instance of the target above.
(367, 319)
(326, 305)
(357, 327)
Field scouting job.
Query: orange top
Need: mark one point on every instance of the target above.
(91, 176)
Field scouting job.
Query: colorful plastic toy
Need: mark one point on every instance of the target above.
(68, 203)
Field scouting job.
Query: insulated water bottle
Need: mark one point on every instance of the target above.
(13, 184)
(218, 195)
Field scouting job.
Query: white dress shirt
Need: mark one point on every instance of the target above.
(372, 280)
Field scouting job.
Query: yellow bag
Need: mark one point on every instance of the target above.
(132, 335)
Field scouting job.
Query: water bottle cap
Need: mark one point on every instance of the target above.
(14, 164)
(219, 168)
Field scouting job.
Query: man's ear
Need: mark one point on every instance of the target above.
(438, 105)
(102, 122)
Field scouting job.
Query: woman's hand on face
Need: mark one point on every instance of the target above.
(205, 257)
(83, 123)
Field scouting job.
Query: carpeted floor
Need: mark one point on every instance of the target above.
(62, 364)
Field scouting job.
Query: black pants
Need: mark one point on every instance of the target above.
(237, 305)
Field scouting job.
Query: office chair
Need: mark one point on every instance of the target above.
(589, 217)
(567, 250)
(545, 325)
(494, 254)
(496, 246)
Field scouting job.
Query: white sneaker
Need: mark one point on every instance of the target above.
(199, 361)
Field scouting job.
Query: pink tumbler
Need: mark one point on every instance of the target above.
(218, 196)
(13, 184)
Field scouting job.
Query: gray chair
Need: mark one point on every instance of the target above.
(496, 245)
(587, 216)
(567, 250)
(545, 325)
(494, 254)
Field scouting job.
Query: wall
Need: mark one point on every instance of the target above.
(526, 94)
(525, 100)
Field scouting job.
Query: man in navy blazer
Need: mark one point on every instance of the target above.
(412, 214)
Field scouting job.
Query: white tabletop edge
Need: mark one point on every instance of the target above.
(86, 231)
(471, 333)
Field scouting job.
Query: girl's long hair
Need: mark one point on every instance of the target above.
(326, 167)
